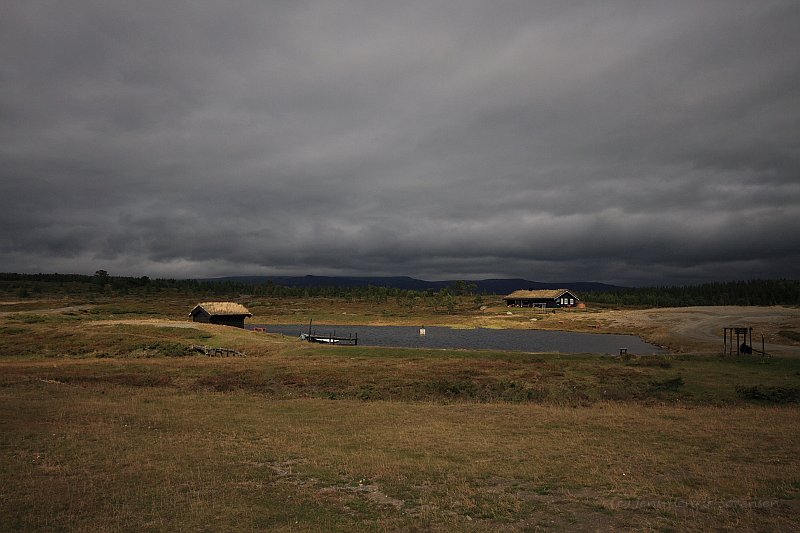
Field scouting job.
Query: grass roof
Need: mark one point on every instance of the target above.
(221, 308)
(544, 293)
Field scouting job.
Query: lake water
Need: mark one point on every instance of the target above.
(478, 339)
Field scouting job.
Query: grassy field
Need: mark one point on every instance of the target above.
(110, 423)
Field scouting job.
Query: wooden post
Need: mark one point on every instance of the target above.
(730, 342)
(724, 341)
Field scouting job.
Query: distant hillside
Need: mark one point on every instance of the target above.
(487, 286)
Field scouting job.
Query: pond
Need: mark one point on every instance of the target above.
(478, 339)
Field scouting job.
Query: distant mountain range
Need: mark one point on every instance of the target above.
(487, 286)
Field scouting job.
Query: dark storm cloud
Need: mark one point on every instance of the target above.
(615, 141)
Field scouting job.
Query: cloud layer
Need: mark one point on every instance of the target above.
(616, 141)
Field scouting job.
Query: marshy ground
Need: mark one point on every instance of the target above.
(110, 423)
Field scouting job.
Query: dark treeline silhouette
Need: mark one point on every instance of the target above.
(753, 292)
(32, 285)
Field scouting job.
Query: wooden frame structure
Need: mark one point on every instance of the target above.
(744, 340)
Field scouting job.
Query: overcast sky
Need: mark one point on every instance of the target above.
(619, 141)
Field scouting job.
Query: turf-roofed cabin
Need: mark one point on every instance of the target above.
(223, 313)
(542, 298)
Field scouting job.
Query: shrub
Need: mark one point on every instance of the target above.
(649, 361)
(160, 349)
(667, 385)
(777, 395)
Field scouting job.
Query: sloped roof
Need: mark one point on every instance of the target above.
(551, 294)
(221, 308)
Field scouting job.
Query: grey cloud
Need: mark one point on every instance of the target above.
(623, 142)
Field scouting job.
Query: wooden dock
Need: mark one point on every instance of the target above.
(330, 338)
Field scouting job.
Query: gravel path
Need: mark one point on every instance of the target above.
(705, 325)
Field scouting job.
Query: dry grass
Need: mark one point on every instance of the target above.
(115, 458)
(105, 427)
(295, 369)
(683, 330)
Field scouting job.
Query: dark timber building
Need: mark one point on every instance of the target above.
(543, 298)
(224, 313)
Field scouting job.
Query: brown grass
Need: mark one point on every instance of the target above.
(104, 428)
(114, 457)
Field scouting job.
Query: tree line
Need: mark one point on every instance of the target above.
(101, 283)
(752, 292)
